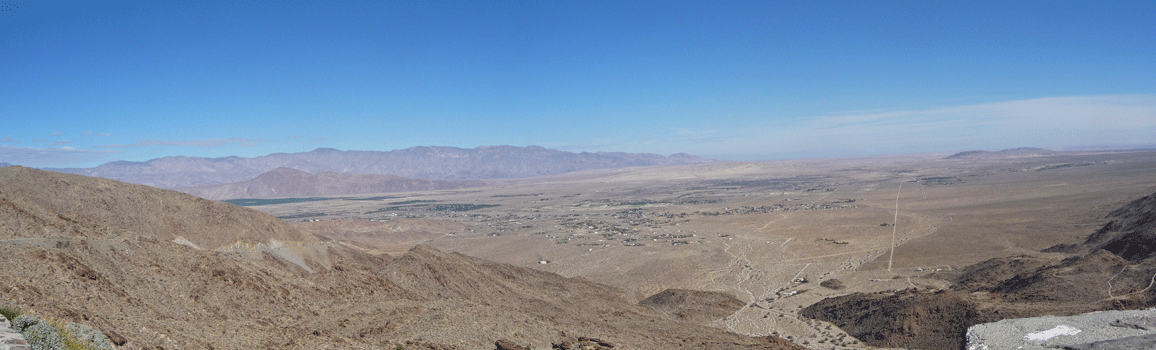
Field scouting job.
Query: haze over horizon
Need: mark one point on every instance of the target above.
(83, 84)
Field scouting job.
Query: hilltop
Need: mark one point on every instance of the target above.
(159, 268)
(429, 163)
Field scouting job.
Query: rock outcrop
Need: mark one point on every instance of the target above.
(1122, 330)
(10, 339)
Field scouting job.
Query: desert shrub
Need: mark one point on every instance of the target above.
(9, 313)
(84, 337)
(22, 322)
(44, 336)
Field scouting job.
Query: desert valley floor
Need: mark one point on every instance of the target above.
(769, 233)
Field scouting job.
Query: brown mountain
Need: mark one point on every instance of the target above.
(1112, 270)
(162, 269)
(288, 182)
(430, 163)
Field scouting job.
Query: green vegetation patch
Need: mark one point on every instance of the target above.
(301, 215)
(372, 198)
(9, 313)
(415, 201)
(435, 207)
(250, 202)
(460, 207)
(639, 203)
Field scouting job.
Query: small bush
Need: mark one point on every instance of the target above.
(84, 337)
(44, 336)
(22, 322)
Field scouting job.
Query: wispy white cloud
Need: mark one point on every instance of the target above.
(1044, 122)
(243, 142)
(9, 139)
(105, 134)
(39, 157)
(58, 143)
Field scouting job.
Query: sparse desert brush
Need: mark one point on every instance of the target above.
(44, 335)
(85, 337)
(22, 322)
(9, 313)
(51, 335)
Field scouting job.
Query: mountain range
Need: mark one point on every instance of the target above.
(288, 182)
(1021, 152)
(429, 163)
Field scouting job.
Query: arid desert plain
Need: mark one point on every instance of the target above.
(779, 235)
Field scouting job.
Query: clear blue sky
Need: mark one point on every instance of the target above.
(83, 83)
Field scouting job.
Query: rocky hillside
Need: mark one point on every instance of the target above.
(693, 306)
(1113, 269)
(1132, 232)
(288, 182)
(48, 205)
(111, 255)
(430, 163)
(393, 237)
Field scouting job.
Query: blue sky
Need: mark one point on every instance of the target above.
(83, 83)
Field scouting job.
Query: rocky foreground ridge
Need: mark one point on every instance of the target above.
(1114, 269)
(167, 270)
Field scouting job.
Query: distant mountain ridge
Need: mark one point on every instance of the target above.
(1007, 153)
(430, 163)
(289, 182)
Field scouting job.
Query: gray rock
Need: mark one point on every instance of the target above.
(10, 339)
(1136, 322)
(1096, 330)
(1129, 343)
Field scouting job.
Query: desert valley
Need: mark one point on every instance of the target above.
(902, 251)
